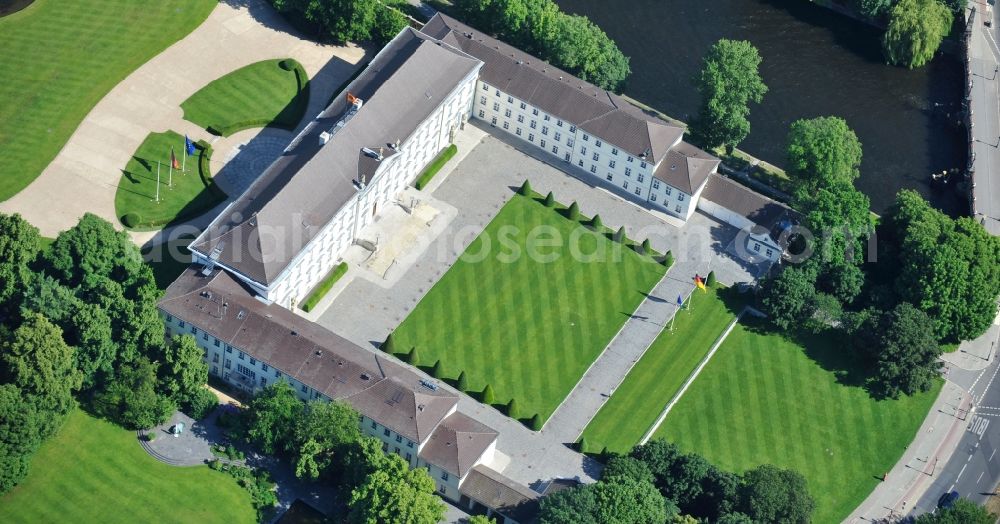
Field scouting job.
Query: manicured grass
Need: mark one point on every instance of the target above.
(432, 169)
(94, 471)
(324, 287)
(661, 371)
(60, 58)
(188, 198)
(764, 398)
(269, 93)
(527, 325)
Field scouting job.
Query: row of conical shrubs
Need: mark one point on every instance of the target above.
(487, 396)
(573, 213)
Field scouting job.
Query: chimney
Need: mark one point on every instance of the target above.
(324, 137)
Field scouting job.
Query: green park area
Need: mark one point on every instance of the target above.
(662, 370)
(525, 319)
(183, 194)
(798, 404)
(60, 58)
(94, 471)
(269, 93)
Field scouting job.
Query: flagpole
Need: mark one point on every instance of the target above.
(157, 181)
(184, 161)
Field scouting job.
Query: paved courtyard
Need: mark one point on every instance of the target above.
(470, 191)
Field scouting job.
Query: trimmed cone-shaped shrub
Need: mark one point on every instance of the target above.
(605, 454)
(512, 410)
(647, 248)
(596, 223)
(710, 279)
(411, 357)
(668, 259)
(525, 189)
(438, 370)
(389, 346)
(550, 200)
(620, 235)
(488, 396)
(581, 445)
(536, 422)
(462, 383)
(573, 213)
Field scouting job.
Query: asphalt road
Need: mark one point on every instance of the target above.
(974, 469)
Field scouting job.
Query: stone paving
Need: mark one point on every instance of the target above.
(84, 175)
(478, 186)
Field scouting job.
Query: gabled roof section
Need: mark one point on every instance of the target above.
(595, 110)
(768, 215)
(457, 444)
(378, 388)
(269, 224)
(501, 493)
(686, 168)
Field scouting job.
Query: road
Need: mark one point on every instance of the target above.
(974, 469)
(984, 101)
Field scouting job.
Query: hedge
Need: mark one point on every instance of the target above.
(432, 169)
(323, 287)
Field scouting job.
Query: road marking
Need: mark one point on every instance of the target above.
(960, 473)
(988, 384)
(980, 477)
(978, 425)
(991, 455)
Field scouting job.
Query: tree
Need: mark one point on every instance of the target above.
(728, 82)
(131, 399)
(710, 279)
(536, 422)
(512, 410)
(964, 511)
(389, 346)
(916, 29)
(734, 518)
(525, 189)
(822, 151)
(620, 235)
(438, 370)
(596, 223)
(41, 365)
(874, 9)
(771, 494)
(789, 297)
(462, 383)
(622, 500)
(19, 246)
(488, 396)
(21, 432)
(629, 467)
(569, 506)
(550, 200)
(948, 268)
(647, 247)
(573, 213)
(412, 357)
(395, 493)
(324, 430)
(184, 372)
(347, 20)
(907, 352)
(271, 417)
(719, 495)
(677, 475)
(481, 519)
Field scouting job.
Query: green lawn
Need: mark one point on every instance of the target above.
(94, 471)
(661, 372)
(766, 399)
(258, 95)
(188, 198)
(528, 327)
(59, 59)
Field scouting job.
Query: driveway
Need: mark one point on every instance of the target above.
(84, 175)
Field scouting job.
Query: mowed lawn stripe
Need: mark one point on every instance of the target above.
(94, 471)
(527, 325)
(800, 408)
(60, 58)
(660, 373)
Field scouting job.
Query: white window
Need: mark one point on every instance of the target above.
(769, 253)
(569, 142)
(643, 165)
(506, 124)
(555, 150)
(593, 168)
(558, 136)
(482, 100)
(611, 164)
(625, 184)
(586, 137)
(680, 196)
(610, 177)
(629, 159)
(668, 191)
(638, 190)
(559, 123)
(677, 209)
(545, 130)
(597, 142)
(652, 197)
(520, 118)
(522, 105)
(756, 247)
(580, 162)
(614, 151)
(481, 115)
(641, 176)
(541, 143)
(493, 121)
(497, 92)
(583, 150)
(506, 113)
(531, 137)
(510, 100)
(534, 124)
(486, 87)
(656, 184)
(534, 111)
(496, 106)
(572, 129)
(628, 171)
(518, 131)
(596, 157)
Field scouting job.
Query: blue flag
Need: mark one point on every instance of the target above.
(680, 301)
(188, 145)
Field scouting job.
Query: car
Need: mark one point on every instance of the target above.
(947, 500)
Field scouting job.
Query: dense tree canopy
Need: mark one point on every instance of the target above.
(907, 352)
(348, 20)
(728, 82)
(963, 512)
(183, 371)
(270, 418)
(916, 29)
(393, 492)
(133, 399)
(772, 494)
(325, 429)
(822, 151)
(21, 432)
(789, 297)
(614, 499)
(19, 246)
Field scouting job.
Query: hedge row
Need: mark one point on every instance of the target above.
(323, 287)
(297, 107)
(432, 169)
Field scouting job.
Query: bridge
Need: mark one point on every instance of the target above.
(983, 117)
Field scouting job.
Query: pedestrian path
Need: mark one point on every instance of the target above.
(612, 366)
(84, 175)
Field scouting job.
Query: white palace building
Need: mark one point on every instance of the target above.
(275, 242)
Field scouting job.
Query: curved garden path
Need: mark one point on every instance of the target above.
(84, 175)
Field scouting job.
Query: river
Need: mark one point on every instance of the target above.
(815, 63)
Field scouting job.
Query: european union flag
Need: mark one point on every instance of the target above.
(680, 301)
(188, 145)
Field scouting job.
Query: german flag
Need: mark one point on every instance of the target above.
(700, 283)
(173, 159)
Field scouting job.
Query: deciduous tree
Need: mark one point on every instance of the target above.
(184, 372)
(270, 418)
(907, 352)
(772, 494)
(916, 30)
(728, 82)
(324, 430)
(132, 399)
(395, 493)
(964, 511)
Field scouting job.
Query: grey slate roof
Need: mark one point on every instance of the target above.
(501, 493)
(595, 110)
(766, 213)
(686, 167)
(378, 388)
(457, 443)
(267, 226)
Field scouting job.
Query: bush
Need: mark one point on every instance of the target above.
(573, 213)
(525, 189)
(619, 235)
(550, 200)
(647, 247)
(287, 64)
(710, 279)
(412, 357)
(149, 436)
(201, 404)
(432, 169)
(596, 223)
(512, 410)
(438, 370)
(462, 383)
(388, 346)
(668, 259)
(488, 396)
(132, 220)
(581, 445)
(536, 422)
(323, 287)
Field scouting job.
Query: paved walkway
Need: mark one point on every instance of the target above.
(84, 175)
(984, 102)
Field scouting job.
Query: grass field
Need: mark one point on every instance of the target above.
(797, 404)
(258, 95)
(189, 196)
(60, 58)
(661, 372)
(528, 327)
(94, 471)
